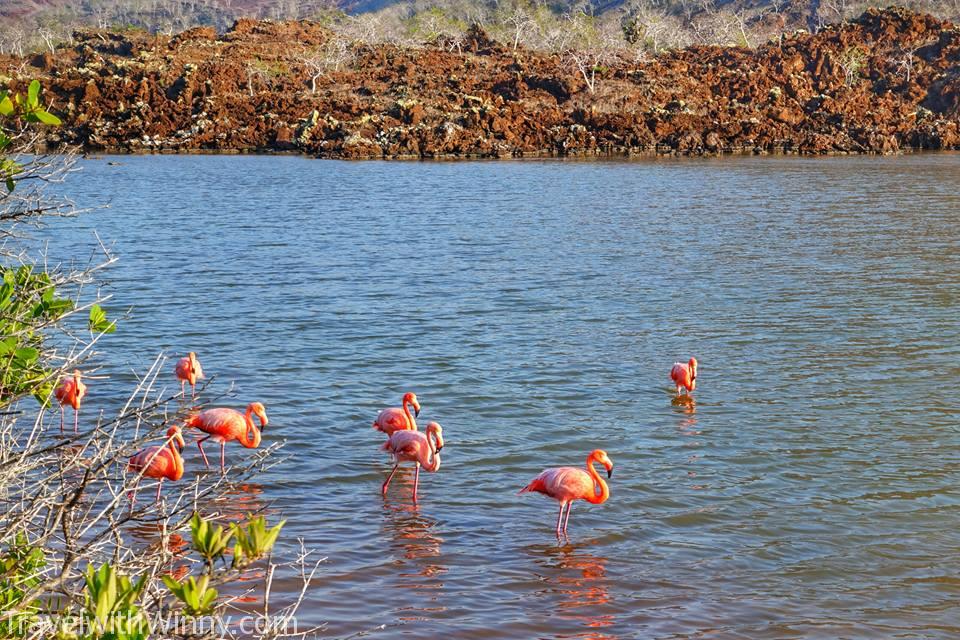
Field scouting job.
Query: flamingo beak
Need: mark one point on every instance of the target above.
(610, 471)
(416, 411)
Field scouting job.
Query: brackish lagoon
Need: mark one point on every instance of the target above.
(535, 307)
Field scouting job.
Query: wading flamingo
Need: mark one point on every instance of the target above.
(188, 370)
(422, 448)
(71, 392)
(162, 462)
(398, 418)
(566, 484)
(684, 375)
(224, 425)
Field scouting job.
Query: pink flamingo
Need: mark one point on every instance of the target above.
(398, 418)
(188, 370)
(566, 484)
(162, 462)
(224, 425)
(71, 392)
(418, 447)
(684, 375)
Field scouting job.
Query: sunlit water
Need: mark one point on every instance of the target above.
(535, 308)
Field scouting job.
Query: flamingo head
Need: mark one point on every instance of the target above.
(437, 431)
(258, 410)
(195, 371)
(599, 455)
(176, 437)
(79, 388)
(411, 398)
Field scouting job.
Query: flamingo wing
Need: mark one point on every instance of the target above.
(64, 391)
(156, 460)
(183, 369)
(406, 445)
(391, 420)
(563, 483)
(680, 374)
(220, 422)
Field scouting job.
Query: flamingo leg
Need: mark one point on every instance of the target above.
(183, 388)
(386, 483)
(61, 419)
(566, 519)
(133, 495)
(223, 455)
(159, 486)
(202, 453)
(76, 420)
(560, 517)
(416, 483)
(193, 391)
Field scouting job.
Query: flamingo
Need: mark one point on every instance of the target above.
(684, 375)
(398, 418)
(71, 392)
(418, 447)
(188, 370)
(566, 484)
(224, 425)
(163, 462)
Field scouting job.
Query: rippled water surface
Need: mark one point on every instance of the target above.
(536, 307)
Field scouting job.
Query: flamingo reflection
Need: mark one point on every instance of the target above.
(238, 502)
(171, 546)
(417, 549)
(686, 406)
(580, 580)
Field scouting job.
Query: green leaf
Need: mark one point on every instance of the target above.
(59, 307)
(11, 185)
(7, 345)
(6, 105)
(27, 355)
(33, 93)
(98, 321)
(47, 118)
(43, 393)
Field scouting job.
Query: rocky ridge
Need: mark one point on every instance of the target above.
(888, 81)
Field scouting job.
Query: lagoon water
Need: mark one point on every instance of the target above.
(810, 491)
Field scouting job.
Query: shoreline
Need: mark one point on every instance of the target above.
(94, 154)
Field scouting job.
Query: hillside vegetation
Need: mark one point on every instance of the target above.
(31, 25)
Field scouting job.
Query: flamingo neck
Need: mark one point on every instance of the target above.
(244, 437)
(597, 480)
(411, 423)
(432, 463)
(177, 461)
